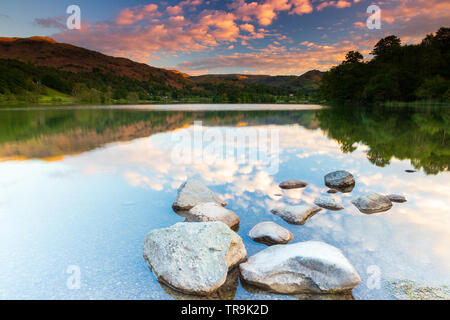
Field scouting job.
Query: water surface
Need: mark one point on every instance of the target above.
(82, 186)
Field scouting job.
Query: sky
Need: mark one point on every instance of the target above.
(275, 37)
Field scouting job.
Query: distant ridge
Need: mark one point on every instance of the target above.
(309, 80)
(43, 51)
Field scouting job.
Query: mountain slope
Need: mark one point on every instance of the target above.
(308, 81)
(40, 70)
(46, 52)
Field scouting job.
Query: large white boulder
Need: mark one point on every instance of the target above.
(212, 211)
(193, 257)
(302, 267)
(193, 192)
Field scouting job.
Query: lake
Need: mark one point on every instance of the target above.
(80, 187)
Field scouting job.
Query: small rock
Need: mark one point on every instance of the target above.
(340, 180)
(328, 202)
(372, 203)
(194, 192)
(296, 214)
(302, 267)
(396, 198)
(410, 171)
(333, 191)
(293, 184)
(211, 211)
(194, 257)
(270, 233)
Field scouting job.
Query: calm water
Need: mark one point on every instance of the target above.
(82, 187)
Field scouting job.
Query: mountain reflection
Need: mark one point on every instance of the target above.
(418, 136)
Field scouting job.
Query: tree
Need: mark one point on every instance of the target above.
(386, 45)
(353, 57)
(443, 37)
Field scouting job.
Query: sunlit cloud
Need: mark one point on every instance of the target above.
(251, 31)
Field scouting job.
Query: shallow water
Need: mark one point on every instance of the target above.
(82, 186)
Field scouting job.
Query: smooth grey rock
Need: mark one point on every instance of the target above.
(302, 267)
(193, 257)
(372, 203)
(270, 233)
(211, 211)
(340, 180)
(396, 198)
(296, 214)
(292, 184)
(328, 202)
(194, 192)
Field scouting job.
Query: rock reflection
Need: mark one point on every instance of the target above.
(263, 294)
(226, 292)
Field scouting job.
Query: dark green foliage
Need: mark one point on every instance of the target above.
(396, 73)
(353, 57)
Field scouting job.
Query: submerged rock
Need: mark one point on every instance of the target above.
(411, 290)
(211, 211)
(296, 214)
(340, 180)
(194, 192)
(301, 267)
(333, 191)
(328, 202)
(372, 203)
(270, 233)
(396, 198)
(292, 184)
(193, 257)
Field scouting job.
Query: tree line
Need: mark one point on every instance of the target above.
(396, 73)
(25, 82)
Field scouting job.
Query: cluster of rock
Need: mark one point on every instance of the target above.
(196, 258)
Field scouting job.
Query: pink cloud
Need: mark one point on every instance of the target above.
(272, 60)
(133, 15)
(174, 10)
(247, 27)
(143, 32)
(178, 9)
(301, 7)
(337, 4)
(267, 11)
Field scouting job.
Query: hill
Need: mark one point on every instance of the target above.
(40, 70)
(46, 52)
(308, 81)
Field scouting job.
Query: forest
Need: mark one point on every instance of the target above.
(396, 73)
